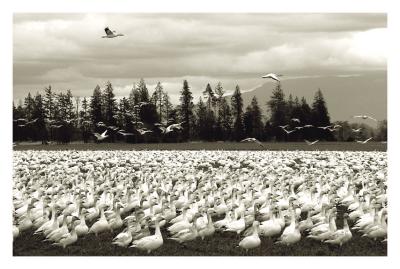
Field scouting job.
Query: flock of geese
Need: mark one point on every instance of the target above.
(142, 131)
(331, 128)
(145, 198)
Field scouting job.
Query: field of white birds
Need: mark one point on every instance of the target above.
(280, 203)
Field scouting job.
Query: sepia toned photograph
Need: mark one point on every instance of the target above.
(199, 134)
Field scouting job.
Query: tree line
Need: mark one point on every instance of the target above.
(63, 118)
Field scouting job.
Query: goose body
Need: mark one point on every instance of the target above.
(251, 241)
(149, 243)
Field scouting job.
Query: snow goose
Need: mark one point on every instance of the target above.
(339, 237)
(110, 34)
(272, 76)
(68, 238)
(101, 225)
(150, 243)
(209, 229)
(251, 241)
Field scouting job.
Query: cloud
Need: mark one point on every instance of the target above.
(67, 51)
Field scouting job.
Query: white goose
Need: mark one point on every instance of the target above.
(272, 76)
(251, 241)
(339, 237)
(101, 225)
(110, 34)
(150, 243)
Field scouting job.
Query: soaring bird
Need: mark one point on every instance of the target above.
(295, 120)
(102, 136)
(173, 127)
(364, 117)
(290, 131)
(324, 127)
(121, 132)
(356, 130)
(254, 140)
(310, 143)
(273, 76)
(365, 141)
(110, 34)
(144, 131)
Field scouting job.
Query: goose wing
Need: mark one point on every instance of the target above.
(108, 31)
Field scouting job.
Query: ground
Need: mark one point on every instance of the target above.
(352, 146)
(220, 244)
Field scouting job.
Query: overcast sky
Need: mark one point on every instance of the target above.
(67, 51)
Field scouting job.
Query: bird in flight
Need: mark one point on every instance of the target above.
(310, 143)
(144, 131)
(325, 127)
(173, 127)
(273, 76)
(364, 117)
(102, 136)
(288, 132)
(295, 120)
(121, 132)
(284, 126)
(365, 141)
(253, 140)
(356, 130)
(110, 34)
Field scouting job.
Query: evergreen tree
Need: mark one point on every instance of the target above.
(49, 102)
(237, 111)
(167, 107)
(320, 116)
(39, 114)
(209, 95)
(110, 104)
(158, 95)
(134, 97)
(96, 106)
(218, 96)
(201, 113)
(143, 92)
(28, 104)
(186, 107)
(210, 117)
(69, 105)
(256, 119)
(85, 120)
(248, 122)
(277, 107)
(225, 116)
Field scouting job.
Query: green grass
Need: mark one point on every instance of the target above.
(340, 146)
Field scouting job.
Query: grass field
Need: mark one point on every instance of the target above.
(220, 244)
(351, 146)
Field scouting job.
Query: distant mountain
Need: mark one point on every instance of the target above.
(345, 95)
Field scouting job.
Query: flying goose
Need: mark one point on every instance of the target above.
(364, 117)
(272, 76)
(254, 140)
(310, 143)
(364, 142)
(110, 34)
(102, 136)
